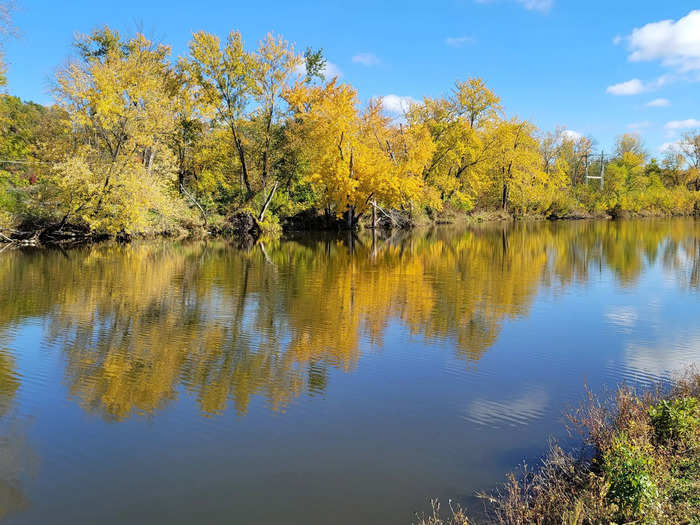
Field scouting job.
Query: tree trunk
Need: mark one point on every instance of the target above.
(504, 202)
(105, 187)
(267, 202)
(241, 158)
(266, 150)
(374, 214)
(374, 244)
(180, 181)
(191, 197)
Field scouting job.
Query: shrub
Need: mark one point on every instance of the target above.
(271, 225)
(675, 419)
(628, 468)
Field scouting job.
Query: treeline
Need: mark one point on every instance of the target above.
(139, 141)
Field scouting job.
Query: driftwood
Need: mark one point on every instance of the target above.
(47, 234)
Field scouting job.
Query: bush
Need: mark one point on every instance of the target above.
(629, 468)
(675, 419)
(271, 225)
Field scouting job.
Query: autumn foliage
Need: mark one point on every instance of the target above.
(140, 141)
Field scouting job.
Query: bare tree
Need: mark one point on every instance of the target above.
(689, 146)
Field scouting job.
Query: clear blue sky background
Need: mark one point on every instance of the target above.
(551, 61)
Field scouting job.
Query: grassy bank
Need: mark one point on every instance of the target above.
(639, 463)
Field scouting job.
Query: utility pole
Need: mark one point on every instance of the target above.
(602, 170)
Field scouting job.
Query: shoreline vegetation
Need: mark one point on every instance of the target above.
(230, 139)
(639, 462)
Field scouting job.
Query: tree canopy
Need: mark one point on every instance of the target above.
(141, 141)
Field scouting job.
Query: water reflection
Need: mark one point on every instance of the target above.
(15, 457)
(9, 381)
(514, 411)
(140, 325)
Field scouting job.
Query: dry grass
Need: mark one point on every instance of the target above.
(456, 515)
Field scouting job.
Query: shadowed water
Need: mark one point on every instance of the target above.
(321, 379)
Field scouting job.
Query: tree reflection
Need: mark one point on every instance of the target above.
(141, 324)
(15, 457)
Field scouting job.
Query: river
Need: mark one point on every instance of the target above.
(322, 379)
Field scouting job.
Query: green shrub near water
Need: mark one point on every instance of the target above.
(675, 419)
(629, 470)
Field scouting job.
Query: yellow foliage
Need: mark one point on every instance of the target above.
(118, 97)
(356, 158)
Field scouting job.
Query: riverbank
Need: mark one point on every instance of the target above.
(244, 229)
(639, 461)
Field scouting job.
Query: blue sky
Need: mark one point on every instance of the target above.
(592, 66)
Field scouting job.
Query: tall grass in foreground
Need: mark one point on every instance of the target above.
(639, 463)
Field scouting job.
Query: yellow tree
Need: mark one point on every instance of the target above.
(475, 102)
(573, 152)
(408, 148)
(119, 100)
(191, 115)
(626, 172)
(515, 162)
(274, 64)
(355, 159)
(222, 78)
(458, 125)
(327, 120)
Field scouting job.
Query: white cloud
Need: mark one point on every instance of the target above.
(397, 104)
(636, 86)
(537, 5)
(639, 126)
(366, 59)
(531, 5)
(631, 87)
(668, 358)
(675, 43)
(623, 316)
(658, 103)
(662, 81)
(676, 125)
(570, 134)
(515, 411)
(670, 147)
(458, 41)
(330, 70)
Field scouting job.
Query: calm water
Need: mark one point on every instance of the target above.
(321, 380)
